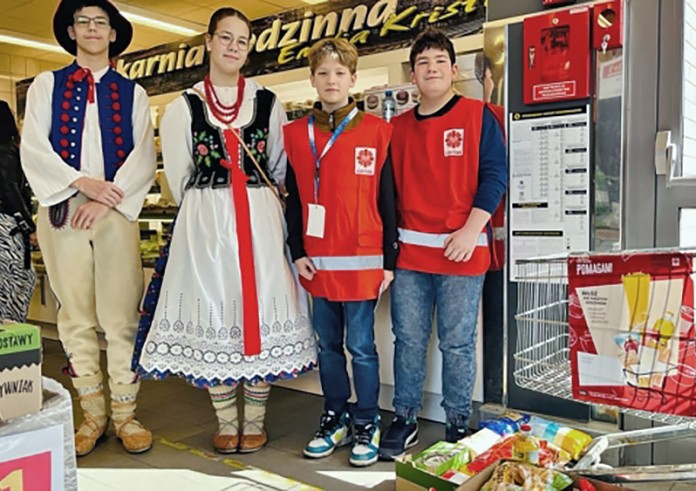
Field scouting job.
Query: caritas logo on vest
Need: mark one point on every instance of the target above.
(454, 142)
(365, 160)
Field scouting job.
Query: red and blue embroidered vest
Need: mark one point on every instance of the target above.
(114, 94)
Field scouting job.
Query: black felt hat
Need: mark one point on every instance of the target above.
(63, 18)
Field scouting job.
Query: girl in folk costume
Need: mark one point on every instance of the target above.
(228, 310)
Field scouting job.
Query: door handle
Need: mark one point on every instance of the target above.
(667, 161)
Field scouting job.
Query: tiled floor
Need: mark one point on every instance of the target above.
(183, 422)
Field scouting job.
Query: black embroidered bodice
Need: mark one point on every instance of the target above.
(209, 147)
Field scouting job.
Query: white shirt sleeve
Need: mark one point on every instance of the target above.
(136, 175)
(48, 175)
(277, 158)
(177, 146)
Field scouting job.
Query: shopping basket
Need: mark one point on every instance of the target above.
(616, 330)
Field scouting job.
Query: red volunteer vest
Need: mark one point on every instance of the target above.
(349, 258)
(436, 163)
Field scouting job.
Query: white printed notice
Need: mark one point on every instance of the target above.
(549, 183)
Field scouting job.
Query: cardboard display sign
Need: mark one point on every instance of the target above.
(20, 370)
(632, 342)
(557, 56)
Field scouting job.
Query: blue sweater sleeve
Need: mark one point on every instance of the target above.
(493, 171)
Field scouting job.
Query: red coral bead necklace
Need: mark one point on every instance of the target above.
(224, 113)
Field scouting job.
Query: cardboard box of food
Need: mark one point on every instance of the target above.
(20, 370)
(475, 483)
(411, 478)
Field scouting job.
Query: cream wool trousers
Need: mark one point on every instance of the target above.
(97, 278)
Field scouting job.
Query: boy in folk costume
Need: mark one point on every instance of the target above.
(450, 170)
(88, 153)
(342, 236)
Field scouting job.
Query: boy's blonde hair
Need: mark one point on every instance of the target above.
(339, 48)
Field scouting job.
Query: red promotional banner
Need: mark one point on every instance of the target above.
(557, 56)
(631, 322)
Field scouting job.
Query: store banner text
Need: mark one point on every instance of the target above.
(282, 42)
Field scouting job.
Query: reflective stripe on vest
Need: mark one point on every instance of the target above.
(348, 263)
(432, 240)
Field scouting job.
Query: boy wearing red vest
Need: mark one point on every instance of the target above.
(450, 174)
(342, 236)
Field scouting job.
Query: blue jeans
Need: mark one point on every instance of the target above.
(414, 297)
(359, 320)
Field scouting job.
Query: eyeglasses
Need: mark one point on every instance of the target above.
(227, 39)
(100, 22)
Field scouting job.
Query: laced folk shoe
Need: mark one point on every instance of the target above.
(402, 434)
(254, 436)
(93, 404)
(224, 400)
(134, 437)
(226, 440)
(251, 442)
(89, 432)
(334, 431)
(225, 444)
(366, 444)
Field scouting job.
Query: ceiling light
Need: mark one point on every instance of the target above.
(158, 24)
(314, 2)
(18, 39)
(159, 21)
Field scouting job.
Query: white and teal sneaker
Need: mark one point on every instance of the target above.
(334, 431)
(366, 447)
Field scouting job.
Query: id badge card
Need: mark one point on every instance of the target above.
(316, 220)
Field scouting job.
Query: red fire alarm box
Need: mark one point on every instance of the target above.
(557, 56)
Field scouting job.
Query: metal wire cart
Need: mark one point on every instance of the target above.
(618, 330)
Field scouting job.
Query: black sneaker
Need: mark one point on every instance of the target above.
(402, 434)
(454, 433)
